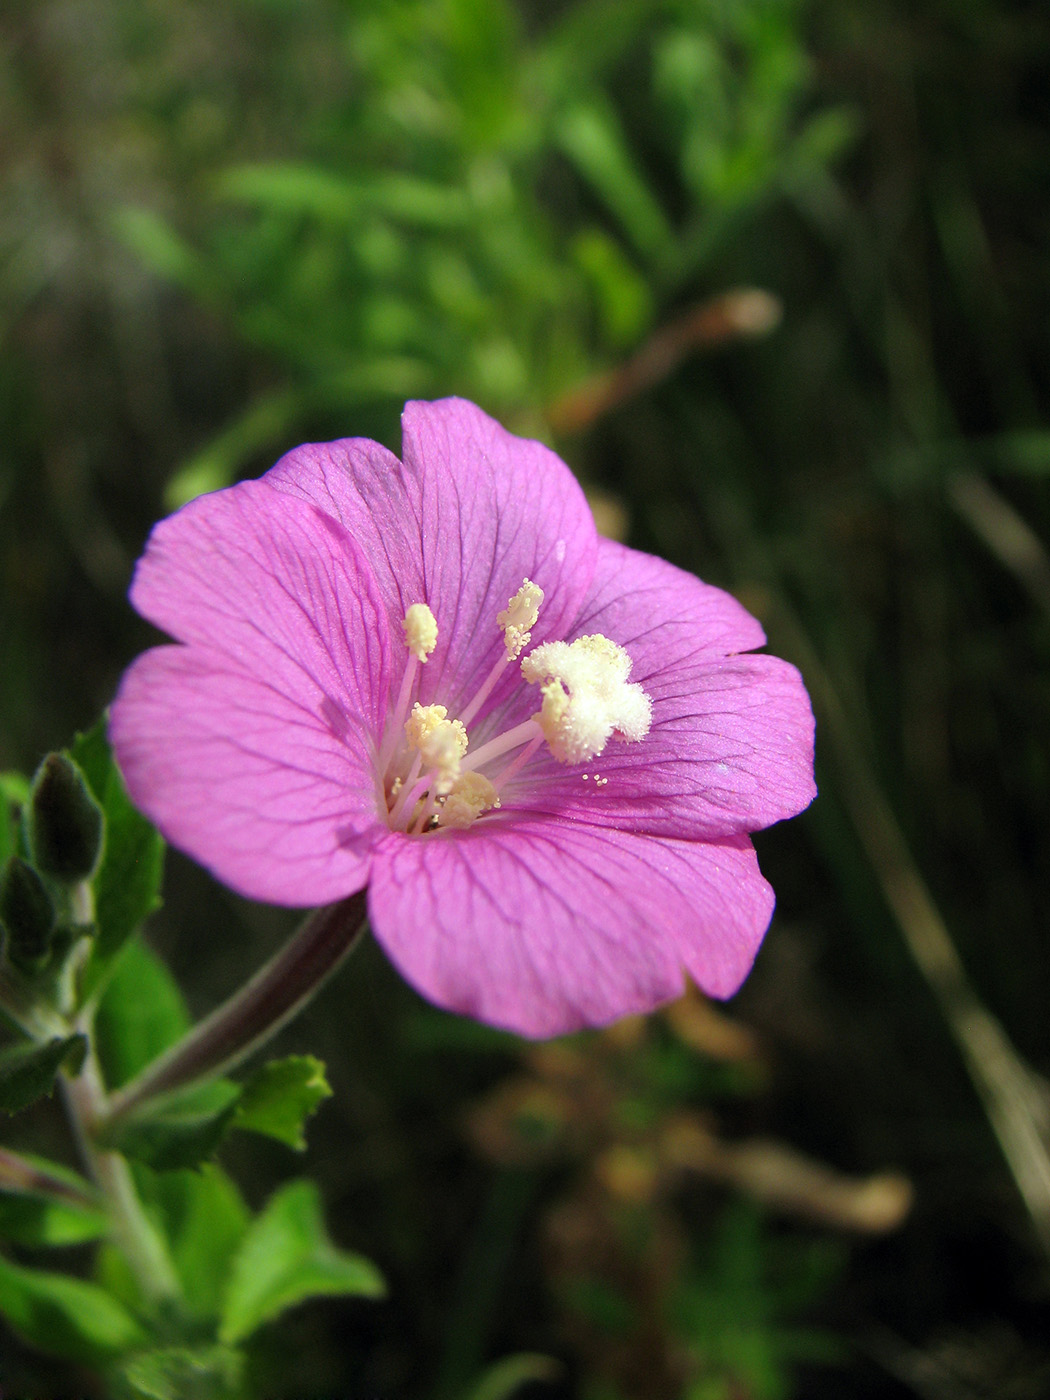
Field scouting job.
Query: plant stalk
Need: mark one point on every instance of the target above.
(256, 1013)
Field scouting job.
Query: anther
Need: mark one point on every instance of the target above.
(519, 618)
(471, 794)
(421, 631)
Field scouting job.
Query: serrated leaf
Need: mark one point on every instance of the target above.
(180, 1131)
(27, 1072)
(66, 1317)
(183, 1373)
(141, 1014)
(127, 882)
(286, 1257)
(279, 1098)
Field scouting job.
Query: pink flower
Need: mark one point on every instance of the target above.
(541, 751)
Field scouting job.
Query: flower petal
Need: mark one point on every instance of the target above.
(471, 512)
(378, 501)
(542, 927)
(274, 795)
(731, 744)
(252, 747)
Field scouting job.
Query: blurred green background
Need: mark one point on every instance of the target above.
(774, 277)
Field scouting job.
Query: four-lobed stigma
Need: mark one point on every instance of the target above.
(431, 779)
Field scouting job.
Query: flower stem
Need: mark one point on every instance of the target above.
(135, 1235)
(254, 1014)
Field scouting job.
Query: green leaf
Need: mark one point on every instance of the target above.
(27, 1072)
(127, 882)
(182, 1373)
(589, 133)
(44, 1204)
(302, 189)
(287, 1257)
(67, 1317)
(141, 1014)
(14, 793)
(37, 1222)
(507, 1375)
(279, 1098)
(179, 1131)
(204, 1219)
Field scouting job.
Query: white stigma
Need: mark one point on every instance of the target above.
(587, 697)
(421, 631)
(519, 617)
(471, 794)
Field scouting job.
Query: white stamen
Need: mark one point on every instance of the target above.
(587, 697)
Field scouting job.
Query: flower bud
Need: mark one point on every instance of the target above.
(27, 916)
(65, 823)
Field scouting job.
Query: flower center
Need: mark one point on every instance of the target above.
(431, 776)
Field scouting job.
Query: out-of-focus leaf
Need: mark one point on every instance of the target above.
(160, 247)
(589, 134)
(501, 1380)
(27, 1072)
(38, 1222)
(279, 1098)
(14, 793)
(127, 882)
(182, 1373)
(287, 1257)
(181, 1131)
(44, 1204)
(66, 1317)
(301, 189)
(204, 1219)
(624, 301)
(141, 1013)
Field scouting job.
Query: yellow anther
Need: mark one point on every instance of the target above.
(587, 697)
(520, 617)
(441, 742)
(421, 630)
(422, 720)
(471, 794)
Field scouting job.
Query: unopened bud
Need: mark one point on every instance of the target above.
(27, 916)
(65, 821)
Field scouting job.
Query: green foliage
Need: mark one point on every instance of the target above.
(204, 1219)
(65, 1316)
(44, 1205)
(126, 884)
(28, 1072)
(280, 1096)
(141, 1014)
(735, 1313)
(407, 251)
(39, 1222)
(179, 1130)
(180, 1373)
(286, 1258)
